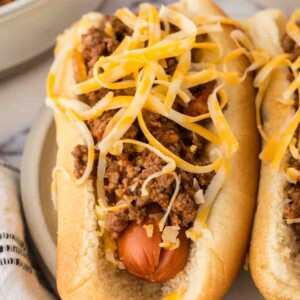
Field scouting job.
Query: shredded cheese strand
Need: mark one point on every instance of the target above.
(127, 17)
(164, 218)
(97, 110)
(90, 145)
(294, 151)
(154, 26)
(195, 232)
(167, 169)
(258, 102)
(141, 96)
(280, 60)
(179, 162)
(292, 27)
(222, 127)
(177, 79)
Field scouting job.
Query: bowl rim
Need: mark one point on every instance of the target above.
(15, 7)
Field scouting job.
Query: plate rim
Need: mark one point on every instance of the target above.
(30, 190)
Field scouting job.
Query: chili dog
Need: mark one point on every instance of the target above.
(157, 164)
(274, 253)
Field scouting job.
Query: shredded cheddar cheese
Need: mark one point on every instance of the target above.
(139, 63)
(149, 230)
(292, 27)
(293, 175)
(293, 149)
(170, 238)
(177, 295)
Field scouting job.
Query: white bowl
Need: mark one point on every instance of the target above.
(29, 27)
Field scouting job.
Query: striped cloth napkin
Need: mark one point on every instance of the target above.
(18, 277)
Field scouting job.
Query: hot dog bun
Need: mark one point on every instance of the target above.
(274, 270)
(82, 270)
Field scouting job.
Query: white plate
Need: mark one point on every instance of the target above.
(38, 161)
(29, 27)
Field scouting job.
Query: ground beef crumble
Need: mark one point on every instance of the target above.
(292, 207)
(80, 154)
(126, 173)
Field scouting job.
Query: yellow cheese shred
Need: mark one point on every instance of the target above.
(294, 151)
(154, 25)
(292, 27)
(142, 93)
(127, 17)
(222, 127)
(196, 231)
(293, 175)
(258, 102)
(179, 162)
(278, 61)
(140, 31)
(177, 79)
(282, 142)
(177, 295)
